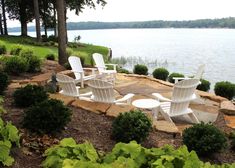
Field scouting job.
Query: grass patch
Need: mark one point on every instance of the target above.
(85, 50)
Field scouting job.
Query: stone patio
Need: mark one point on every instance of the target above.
(206, 108)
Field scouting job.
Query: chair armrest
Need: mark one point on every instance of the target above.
(180, 78)
(88, 94)
(91, 69)
(114, 66)
(159, 97)
(127, 98)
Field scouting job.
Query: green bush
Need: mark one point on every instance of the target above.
(225, 89)
(52, 38)
(204, 86)
(140, 69)
(122, 70)
(232, 138)
(67, 66)
(15, 50)
(47, 117)
(69, 52)
(4, 81)
(16, 65)
(29, 95)
(172, 75)
(50, 57)
(204, 139)
(161, 73)
(3, 49)
(133, 125)
(33, 61)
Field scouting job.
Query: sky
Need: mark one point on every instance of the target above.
(145, 10)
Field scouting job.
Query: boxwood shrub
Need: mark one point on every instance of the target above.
(205, 139)
(140, 69)
(174, 74)
(225, 89)
(4, 80)
(50, 57)
(133, 125)
(15, 65)
(161, 73)
(204, 86)
(47, 117)
(29, 95)
(3, 49)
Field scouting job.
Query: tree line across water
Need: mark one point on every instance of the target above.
(202, 23)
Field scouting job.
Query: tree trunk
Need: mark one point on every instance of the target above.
(61, 32)
(65, 18)
(4, 17)
(45, 30)
(37, 19)
(55, 23)
(23, 19)
(1, 29)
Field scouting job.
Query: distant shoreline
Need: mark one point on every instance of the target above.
(228, 23)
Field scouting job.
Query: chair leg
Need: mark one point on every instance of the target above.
(82, 84)
(166, 116)
(193, 117)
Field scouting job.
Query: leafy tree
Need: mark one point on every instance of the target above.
(20, 10)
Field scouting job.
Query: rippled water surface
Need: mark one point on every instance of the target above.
(179, 50)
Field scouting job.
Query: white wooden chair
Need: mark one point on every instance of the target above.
(68, 86)
(183, 93)
(103, 91)
(110, 75)
(78, 70)
(198, 74)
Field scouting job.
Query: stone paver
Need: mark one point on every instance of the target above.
(165, 126)
(91, 106)
(42, 79)
(115, 110)
(227, 107)
(230, 121)
(66, 99)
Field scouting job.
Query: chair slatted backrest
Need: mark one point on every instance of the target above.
(200, 72)
(99, 61)
(102, 91)
(76, 66)
(67, 85)
(183, 93)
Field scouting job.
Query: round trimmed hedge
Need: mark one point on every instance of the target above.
(161, 73)
(204, 85)
(140, 69)
(205, 139)
(225, 89)
(16, 65)
(174, 74)
(133, 125)
(29, 95)
(47, 117)
(4, 81)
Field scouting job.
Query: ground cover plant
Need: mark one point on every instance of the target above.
(29, 95)
(15, 65)
(133, 125)
(9, 136)
(3, 49)
(131, 155)
(205, 139)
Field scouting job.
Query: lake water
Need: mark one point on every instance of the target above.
(179, 50)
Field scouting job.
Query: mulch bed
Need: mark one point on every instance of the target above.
(84, 126)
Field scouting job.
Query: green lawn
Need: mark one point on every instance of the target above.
(85, 50)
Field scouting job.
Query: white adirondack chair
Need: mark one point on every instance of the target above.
(78, 70)
(183, 93)
(103, 91)
(198, 74)
(68, 86)
(110, 75)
